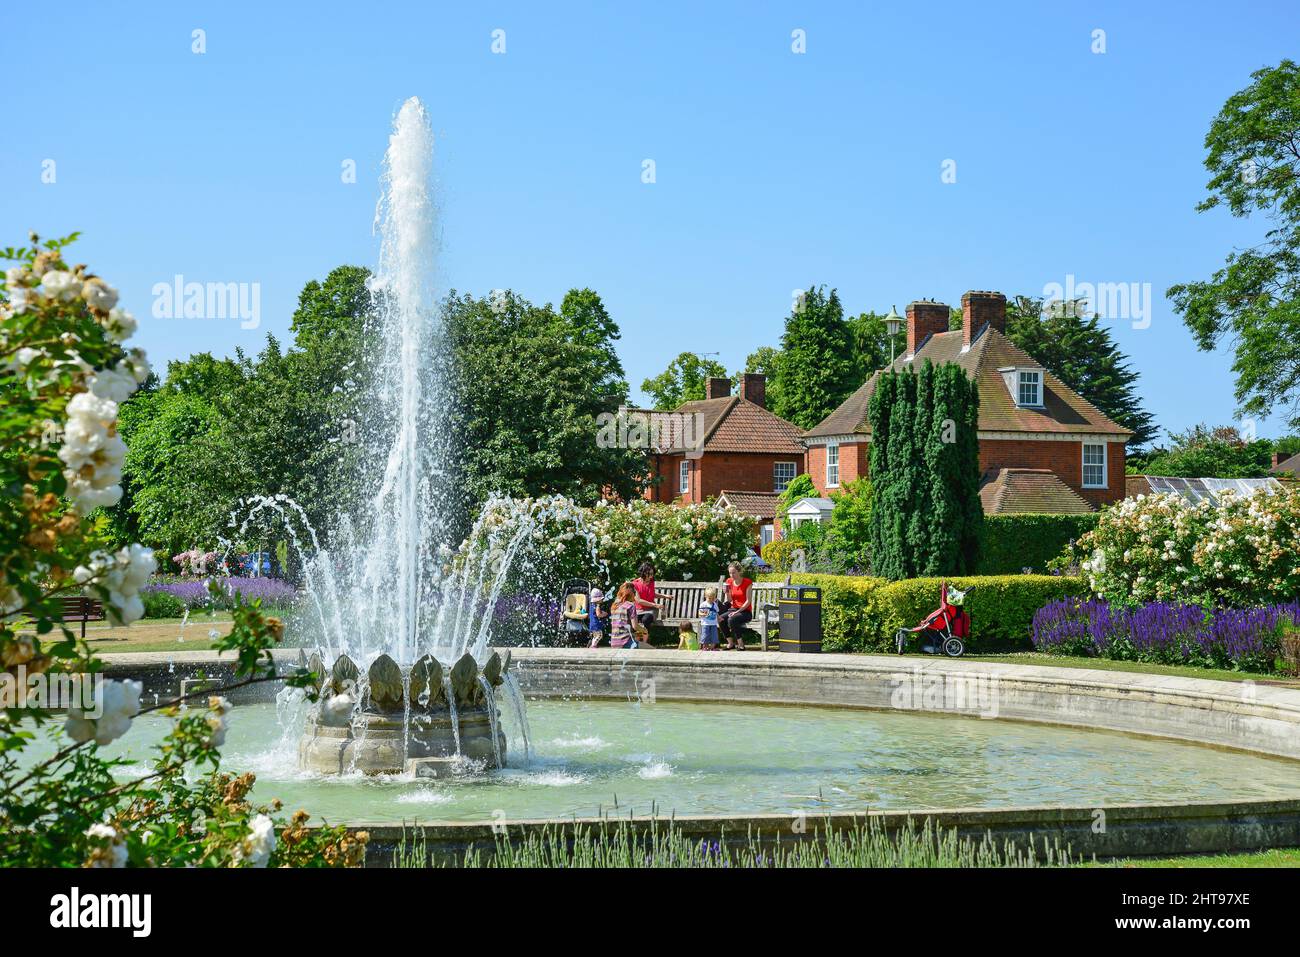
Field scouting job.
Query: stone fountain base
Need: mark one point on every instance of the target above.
(395, 721)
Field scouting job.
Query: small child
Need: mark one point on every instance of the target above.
(598, 617)
(709, 620)
(622, 617)
(686, 637)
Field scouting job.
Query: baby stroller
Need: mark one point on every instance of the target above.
(944, 628)
(576, 611)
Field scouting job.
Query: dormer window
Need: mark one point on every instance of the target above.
(1030, 387)
(1025, 385)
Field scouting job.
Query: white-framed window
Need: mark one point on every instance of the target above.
(684, 476)
(1094, 464)
(832, 465)
(1030, 387)
(782, 475)
(767, 533)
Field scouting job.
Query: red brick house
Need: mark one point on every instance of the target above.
(742, 452)
(1042, 447)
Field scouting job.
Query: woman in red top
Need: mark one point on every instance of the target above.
(732, 624)
(646, 601)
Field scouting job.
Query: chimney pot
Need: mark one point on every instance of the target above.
(753, 388)
(979, 307)
(925, 317)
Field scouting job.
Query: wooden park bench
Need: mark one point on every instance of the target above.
(680, 602)
(82, 609)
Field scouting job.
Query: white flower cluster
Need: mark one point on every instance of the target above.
(92, 451)
(256, 847)
(218, 722)
(1235, 551)
(108, 847)
(121, 703)
(123, 574)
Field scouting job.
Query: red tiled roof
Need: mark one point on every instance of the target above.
(1030, 491)
(1064, 410)
(758, 504)
(734, 424)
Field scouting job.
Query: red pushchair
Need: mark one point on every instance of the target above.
(944, 628)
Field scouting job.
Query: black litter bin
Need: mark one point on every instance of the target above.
(800, 608)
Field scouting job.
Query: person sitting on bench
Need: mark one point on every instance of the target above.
(740, 610)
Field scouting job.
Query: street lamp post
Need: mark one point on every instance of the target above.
(893, 323)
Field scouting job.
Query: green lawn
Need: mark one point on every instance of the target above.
(1105, 664)
(1276, 857)
(157, 634)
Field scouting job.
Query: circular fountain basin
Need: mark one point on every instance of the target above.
(595, 758)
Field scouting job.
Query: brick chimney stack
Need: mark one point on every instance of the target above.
(979, 307)
(753, 388)
(717, 387)
(925, 317)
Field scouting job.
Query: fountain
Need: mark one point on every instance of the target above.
(417, 720)
(407, 683)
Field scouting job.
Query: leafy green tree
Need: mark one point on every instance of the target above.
(587, 322)
(182, 469)
(1204, 452)
(848, 535)
(527, 418)
(871, 343)
(818, 368)
(1253, 302)
(220, 430)
(682, 381)
(800, 487)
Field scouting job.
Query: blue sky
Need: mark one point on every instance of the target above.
(774, 170)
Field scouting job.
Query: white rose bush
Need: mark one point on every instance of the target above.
(64, 373)
(1242, 551)
(1212, 583)
(607, 542)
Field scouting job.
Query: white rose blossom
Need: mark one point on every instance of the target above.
(256, 847)
(121, 325)
(218, 723)
(121, 703)
(60, 285)
(99, 294)
(122, 574)
(109, 846)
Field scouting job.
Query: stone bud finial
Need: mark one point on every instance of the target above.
(425, 688)
(343, 676)
(464, 679)
(385, 685)
(492, 670)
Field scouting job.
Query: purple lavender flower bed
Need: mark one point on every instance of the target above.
(1244, 639)
(194, 592)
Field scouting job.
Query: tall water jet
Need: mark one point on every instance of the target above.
(382, 598)
(392, 592)
(408, 393)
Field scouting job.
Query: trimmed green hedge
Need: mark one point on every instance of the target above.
(863, 614)
(1013, 542)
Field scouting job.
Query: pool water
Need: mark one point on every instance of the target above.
(613, 757)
